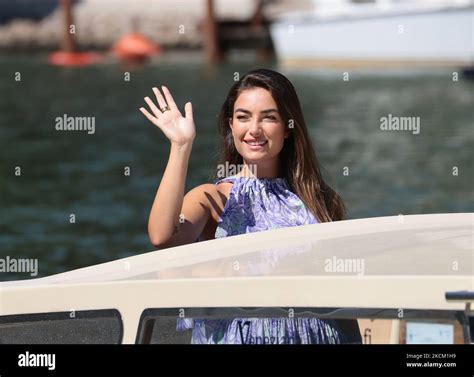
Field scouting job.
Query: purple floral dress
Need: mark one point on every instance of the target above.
(254, 205)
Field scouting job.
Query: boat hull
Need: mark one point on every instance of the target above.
(437, 37)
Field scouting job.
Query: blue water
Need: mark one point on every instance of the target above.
(65, 173)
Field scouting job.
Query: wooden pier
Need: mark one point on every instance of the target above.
(221, 36)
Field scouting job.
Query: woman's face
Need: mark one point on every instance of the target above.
(257, 127)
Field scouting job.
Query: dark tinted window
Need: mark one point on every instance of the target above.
(243, 326)
(82, 327)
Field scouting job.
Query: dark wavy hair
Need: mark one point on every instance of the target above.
(297, 158)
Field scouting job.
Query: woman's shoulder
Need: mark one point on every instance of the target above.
(212, 193)
(203, 191)
(212, 196)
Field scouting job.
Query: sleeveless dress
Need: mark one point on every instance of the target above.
(253, 205)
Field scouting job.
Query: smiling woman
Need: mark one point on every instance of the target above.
(264, 106)
(262, 125)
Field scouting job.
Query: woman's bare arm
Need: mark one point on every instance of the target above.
(175, 219)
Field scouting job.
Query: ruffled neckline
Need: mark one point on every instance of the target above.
(254, 179)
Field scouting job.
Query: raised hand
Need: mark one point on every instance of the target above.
(166, 116)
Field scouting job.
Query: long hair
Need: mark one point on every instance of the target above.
(297, 158)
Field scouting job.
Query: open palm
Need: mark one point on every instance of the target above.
(167, 117)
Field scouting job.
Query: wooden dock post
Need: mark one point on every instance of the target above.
(211, 39)
(69, 42)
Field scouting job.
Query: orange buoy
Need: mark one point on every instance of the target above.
(135, 47)
(65, 58)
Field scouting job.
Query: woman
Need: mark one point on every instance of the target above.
(280, 185)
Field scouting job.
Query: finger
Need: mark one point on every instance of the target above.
(159, 98)
(150, 117)
(188, 109)
(153, 107)
(169, 98)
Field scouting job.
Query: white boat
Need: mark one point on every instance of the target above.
(381, 33)
(407, 279)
